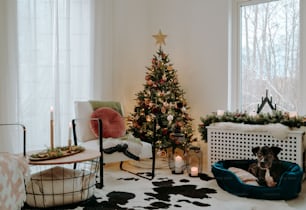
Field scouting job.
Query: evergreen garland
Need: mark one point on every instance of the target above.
(260, 119)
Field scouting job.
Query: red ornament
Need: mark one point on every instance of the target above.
(164, 131)
(150, 82)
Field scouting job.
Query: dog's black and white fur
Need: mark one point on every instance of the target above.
(268, 168)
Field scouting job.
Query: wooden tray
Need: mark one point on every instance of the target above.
(57, 152)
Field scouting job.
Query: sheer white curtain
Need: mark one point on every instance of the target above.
(55, 64)
(52, 52)
(9, 138)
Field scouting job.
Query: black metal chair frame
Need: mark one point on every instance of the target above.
(101, 163)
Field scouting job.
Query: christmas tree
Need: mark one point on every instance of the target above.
(161, 105)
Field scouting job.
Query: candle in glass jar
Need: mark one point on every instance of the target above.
(194, 171)
(178, 164)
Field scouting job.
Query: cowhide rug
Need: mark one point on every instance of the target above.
(123, 190)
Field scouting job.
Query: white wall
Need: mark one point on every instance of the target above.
(197, 44)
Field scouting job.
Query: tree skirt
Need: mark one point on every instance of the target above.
(123, 190)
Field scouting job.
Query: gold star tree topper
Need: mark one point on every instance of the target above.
(160, 38)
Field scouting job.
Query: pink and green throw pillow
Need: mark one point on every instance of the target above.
(113, 123)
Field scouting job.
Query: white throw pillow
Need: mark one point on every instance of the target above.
(83, 110)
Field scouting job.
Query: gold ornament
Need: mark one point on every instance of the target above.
(150, 82)
(160, 38)
(164, 77)
(148, 118)
(163, 110)
(170, 68)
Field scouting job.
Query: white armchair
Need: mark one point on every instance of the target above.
(100, 125)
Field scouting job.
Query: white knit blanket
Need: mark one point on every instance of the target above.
(13, 173)
(276, 130)
(134, 144)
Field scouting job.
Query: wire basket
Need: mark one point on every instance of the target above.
(59, 185)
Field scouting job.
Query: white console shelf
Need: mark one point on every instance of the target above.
(226, 142)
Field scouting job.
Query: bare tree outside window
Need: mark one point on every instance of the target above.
(269, 54)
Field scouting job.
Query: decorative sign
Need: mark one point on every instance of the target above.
(263, 103)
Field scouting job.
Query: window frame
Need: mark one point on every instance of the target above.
(234, 93)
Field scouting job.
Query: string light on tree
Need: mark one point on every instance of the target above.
(163, 99)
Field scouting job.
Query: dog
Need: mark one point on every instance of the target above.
(268, 169)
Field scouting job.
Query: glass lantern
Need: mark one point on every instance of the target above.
(176, 160)
(176, 155)
(177, 138)
(194, 160)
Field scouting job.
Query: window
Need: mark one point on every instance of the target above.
(54, 44)
(267, 42)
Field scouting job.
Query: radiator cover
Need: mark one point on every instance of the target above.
(227, 144)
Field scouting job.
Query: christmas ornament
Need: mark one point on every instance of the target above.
(170, 118)
(160, 38)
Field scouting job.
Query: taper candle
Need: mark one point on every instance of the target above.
(69, 136)
(51, 113)
(51, 128)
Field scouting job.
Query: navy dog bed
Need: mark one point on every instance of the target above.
(288, 187)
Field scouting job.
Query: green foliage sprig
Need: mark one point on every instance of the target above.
(260, 119)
